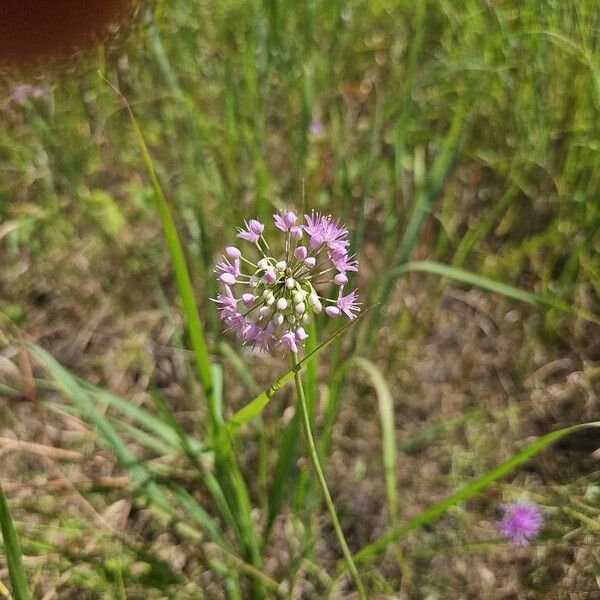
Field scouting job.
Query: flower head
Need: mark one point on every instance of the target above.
(521, 522)
(269, 306)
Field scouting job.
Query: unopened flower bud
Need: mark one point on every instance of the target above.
(290, 282)
(300, 308)
(340, 279)
(289, 218)
(281, 265)
(232, 252)
(227, 279)
(278, 318)
(311, 261)
(269, 276)
(282, 304)
(301, 252)
(248, 299)
(332, 311)
(301, 335)
(298, 297)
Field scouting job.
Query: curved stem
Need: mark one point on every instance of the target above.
(312, 450)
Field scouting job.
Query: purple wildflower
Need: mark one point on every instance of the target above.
(316, 128)
(288, 340)
(252, 232)
(227, 302)
(324, 230)
(227, 267)
(348, 304)
(343, 263)
(23, 92)
(286, 221)
(521, 522)
(269, 306)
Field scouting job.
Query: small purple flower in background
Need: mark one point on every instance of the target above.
(280, 293)
(521, 522)
(23, 92)
(316, 128)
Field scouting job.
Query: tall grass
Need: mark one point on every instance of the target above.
(12, 550)
(459, 141)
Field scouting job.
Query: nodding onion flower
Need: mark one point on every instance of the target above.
(269, 298)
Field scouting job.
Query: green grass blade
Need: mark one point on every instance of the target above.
(498, 287)
(12, 547)
(468, 491)
(240, 367)
(182, 276)
(388, 433)
(284, 471)
(256, 406)
(78, 395)
(142, 417)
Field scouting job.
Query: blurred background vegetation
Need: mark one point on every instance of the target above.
(463, 132)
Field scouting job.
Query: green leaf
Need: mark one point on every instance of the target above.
(140, 475)
(182, 276)
(142, 417)
(388, 434)
(468, 491)
(12, 548)
(498, 287)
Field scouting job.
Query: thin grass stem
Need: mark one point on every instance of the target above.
(312, 449)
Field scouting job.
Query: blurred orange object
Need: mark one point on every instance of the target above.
(32, 30)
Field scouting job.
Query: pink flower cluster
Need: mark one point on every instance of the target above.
(268, 305)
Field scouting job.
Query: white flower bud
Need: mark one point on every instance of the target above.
(263, 263)
(313, 299)
(254, 280)
(281, 265)
(290, 282)
(311, 261)
(264, 311)
(300, 308)
(282, 304)
(298, 297)
(317, 307)
(278, 318)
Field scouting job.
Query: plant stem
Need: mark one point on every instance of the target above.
(312, 450)
(12, 550)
